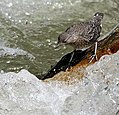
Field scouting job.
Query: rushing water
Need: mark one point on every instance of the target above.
(29, 29)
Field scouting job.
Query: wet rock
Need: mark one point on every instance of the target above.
(97, 93)
(108, 44)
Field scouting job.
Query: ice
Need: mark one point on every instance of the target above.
(96, 94)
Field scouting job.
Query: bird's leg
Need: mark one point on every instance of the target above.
(72, 55)
(94, 55)
(96, 47)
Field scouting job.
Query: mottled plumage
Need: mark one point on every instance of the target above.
(82, 35)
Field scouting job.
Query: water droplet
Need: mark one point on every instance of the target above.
(19, 21)
(30, 22)
(8, 62)
(1, 71)
(27, 13)
(48, 40)
(6, 14)
(9, 17)
(10, 4)
(33, 3)
(48, 3)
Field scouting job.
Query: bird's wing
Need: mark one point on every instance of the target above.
(75, 28)
(91, 31)
(75, 32)
(83, 31)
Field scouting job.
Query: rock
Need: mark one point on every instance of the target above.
(98, 92)
(95, 94)
(108, 44)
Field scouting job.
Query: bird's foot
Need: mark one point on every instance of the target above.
(94, 56)
(70, 61)
(94, 53)
(68, 66)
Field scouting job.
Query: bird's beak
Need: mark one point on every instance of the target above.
(58, 45)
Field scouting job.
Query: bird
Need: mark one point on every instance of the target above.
(83, 35)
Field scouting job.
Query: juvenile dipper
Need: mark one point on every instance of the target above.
(84, 34)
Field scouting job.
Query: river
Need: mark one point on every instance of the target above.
(29, 29)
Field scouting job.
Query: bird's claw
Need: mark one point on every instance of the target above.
(92, 57)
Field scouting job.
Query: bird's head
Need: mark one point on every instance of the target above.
(62, 39)
(98, 16)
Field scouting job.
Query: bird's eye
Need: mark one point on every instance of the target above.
(97, 14)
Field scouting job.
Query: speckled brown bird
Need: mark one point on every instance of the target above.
(84, 34)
